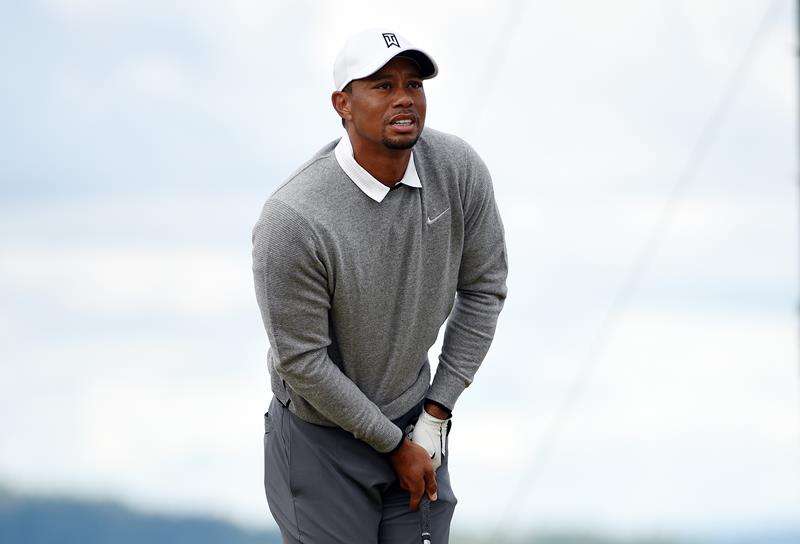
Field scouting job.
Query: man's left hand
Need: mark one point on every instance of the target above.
(430, 432)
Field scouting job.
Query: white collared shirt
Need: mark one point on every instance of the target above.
(363, 179)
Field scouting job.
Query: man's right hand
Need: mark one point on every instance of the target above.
(415, 472)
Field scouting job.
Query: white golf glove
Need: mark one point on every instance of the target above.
(431, 433)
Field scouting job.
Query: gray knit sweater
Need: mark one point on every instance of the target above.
(353, 292)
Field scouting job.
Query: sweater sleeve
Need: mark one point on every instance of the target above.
(291, 286)
(481, 289)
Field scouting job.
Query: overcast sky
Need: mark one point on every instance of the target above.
(140, 139)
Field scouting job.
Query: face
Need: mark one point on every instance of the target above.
(386, 108)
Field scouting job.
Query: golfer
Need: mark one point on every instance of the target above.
(359, 257)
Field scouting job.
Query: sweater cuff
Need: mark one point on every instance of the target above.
(397, 447)
(446, 387)
(389, 441)
(440, 405)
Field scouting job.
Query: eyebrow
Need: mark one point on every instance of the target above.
(385, 75)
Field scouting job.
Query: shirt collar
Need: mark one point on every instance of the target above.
(363, 179)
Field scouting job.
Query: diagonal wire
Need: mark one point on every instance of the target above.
(797, 76)
(495, 60)
(642, 260)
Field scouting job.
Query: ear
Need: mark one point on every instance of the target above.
(341, 103)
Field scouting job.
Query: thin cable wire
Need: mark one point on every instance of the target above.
(642, 259)
(797, 120)
(495, 60)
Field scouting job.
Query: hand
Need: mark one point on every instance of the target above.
(430, 432)
(415, 472)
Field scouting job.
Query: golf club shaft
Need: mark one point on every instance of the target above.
(425, 513)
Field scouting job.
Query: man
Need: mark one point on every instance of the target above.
(358, 257)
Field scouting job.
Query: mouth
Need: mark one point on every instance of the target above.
(403, 123)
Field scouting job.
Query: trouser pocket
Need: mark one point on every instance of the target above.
(267, 423)
(277, 482)
(267, 434)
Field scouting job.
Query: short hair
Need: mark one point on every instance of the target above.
(349, 90)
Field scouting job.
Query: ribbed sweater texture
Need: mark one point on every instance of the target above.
(353, 292)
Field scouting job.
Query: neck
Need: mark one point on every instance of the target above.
(386, 165)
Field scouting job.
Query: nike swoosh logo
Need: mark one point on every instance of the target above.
(429, 220)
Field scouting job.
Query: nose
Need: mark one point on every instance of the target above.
(402, 98)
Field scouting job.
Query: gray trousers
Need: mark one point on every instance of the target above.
(324, 486)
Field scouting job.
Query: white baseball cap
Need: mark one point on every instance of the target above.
(367, 51)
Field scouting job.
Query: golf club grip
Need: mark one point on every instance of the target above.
(425, 522)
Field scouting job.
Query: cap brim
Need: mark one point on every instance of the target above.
(426, 65)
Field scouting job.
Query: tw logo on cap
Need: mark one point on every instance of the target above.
(390, 39)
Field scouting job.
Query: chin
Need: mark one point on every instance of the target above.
(401, 143)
